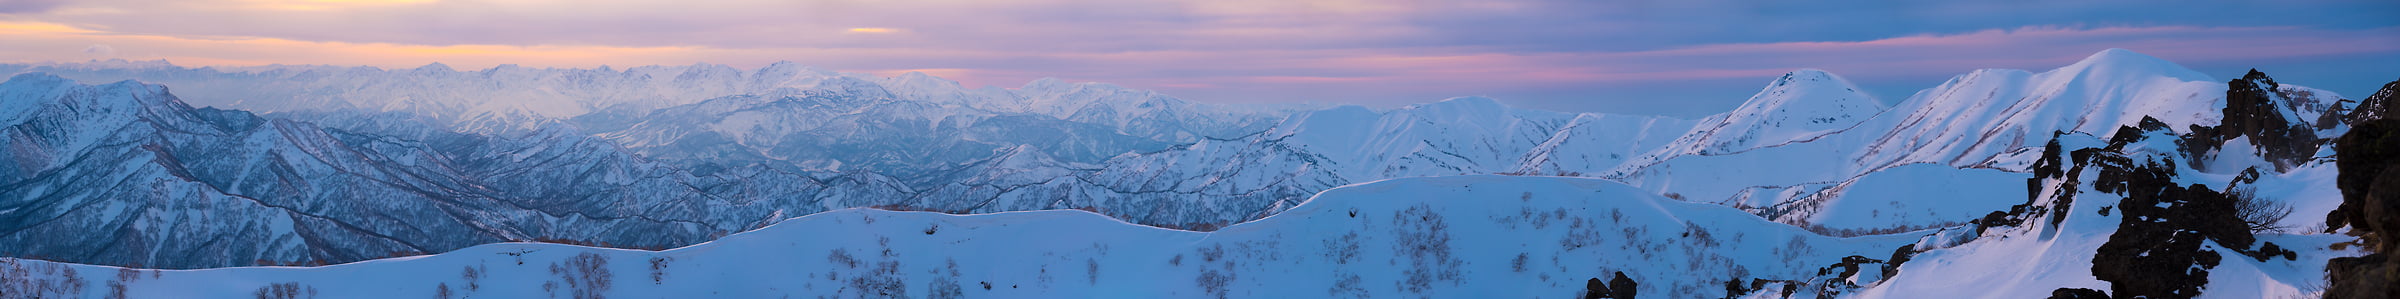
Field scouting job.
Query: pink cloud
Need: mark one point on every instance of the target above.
(1389, 74)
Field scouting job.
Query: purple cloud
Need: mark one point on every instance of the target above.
(28, 6)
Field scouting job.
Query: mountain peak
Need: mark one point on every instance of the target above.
(434, 67)
(41, 81)
(921, 80)
(1043, 83)
(117, 63)
(2118, 54)
(2122, 60)
(788, 68)
(25, 93)
(1800, 105)
(1806, 78)
(36, 78)
(1806, 85)
(1471, 103)
(1808, 74)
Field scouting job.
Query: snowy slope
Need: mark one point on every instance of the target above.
(1909, 196)
(1454, 136)
(1797, 107)
(1988, 118)
(1594, 143)
(1470, 236)
(1983, 114)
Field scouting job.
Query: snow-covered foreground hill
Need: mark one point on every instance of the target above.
(1451, 237)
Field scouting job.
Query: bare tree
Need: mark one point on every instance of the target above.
(2258, 214)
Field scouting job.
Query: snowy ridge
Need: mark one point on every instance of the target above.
(1799, 106)
(1977, 116)
(466, 99)
(1454, 136)
(1991, 118)
(118, 161)
(1594, 143)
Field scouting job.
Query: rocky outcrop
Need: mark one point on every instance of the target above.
(2159, 249)
(2259, 109)
(2377, 106)
(2370, 208)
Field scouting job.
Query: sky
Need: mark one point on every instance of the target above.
(1664, 57)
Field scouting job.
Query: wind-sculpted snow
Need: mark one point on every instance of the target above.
(1465, 236)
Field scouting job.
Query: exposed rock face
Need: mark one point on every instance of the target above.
(2159, 249)
(2377, 106)
(2371, 208)
(2259, 109)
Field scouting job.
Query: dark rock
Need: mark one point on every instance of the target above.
(1735, 288)
(1594, 289)
(1622, 287)
(2377, 106)
(1899, 256)
(2370, 208)
(2159, 248)
(2254, 108)
(2069, 293)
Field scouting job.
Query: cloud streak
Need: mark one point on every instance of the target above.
(1569, 55)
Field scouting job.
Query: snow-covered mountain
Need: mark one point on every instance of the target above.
(1966, 179)
(1993, 119)
(1798, 107)
(707, 117)
(168, 185)
(125, 173)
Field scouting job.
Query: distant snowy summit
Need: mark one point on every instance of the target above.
(1799, 106)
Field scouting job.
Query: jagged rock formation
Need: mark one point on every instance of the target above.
(2157, 250)
(2280, 125)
